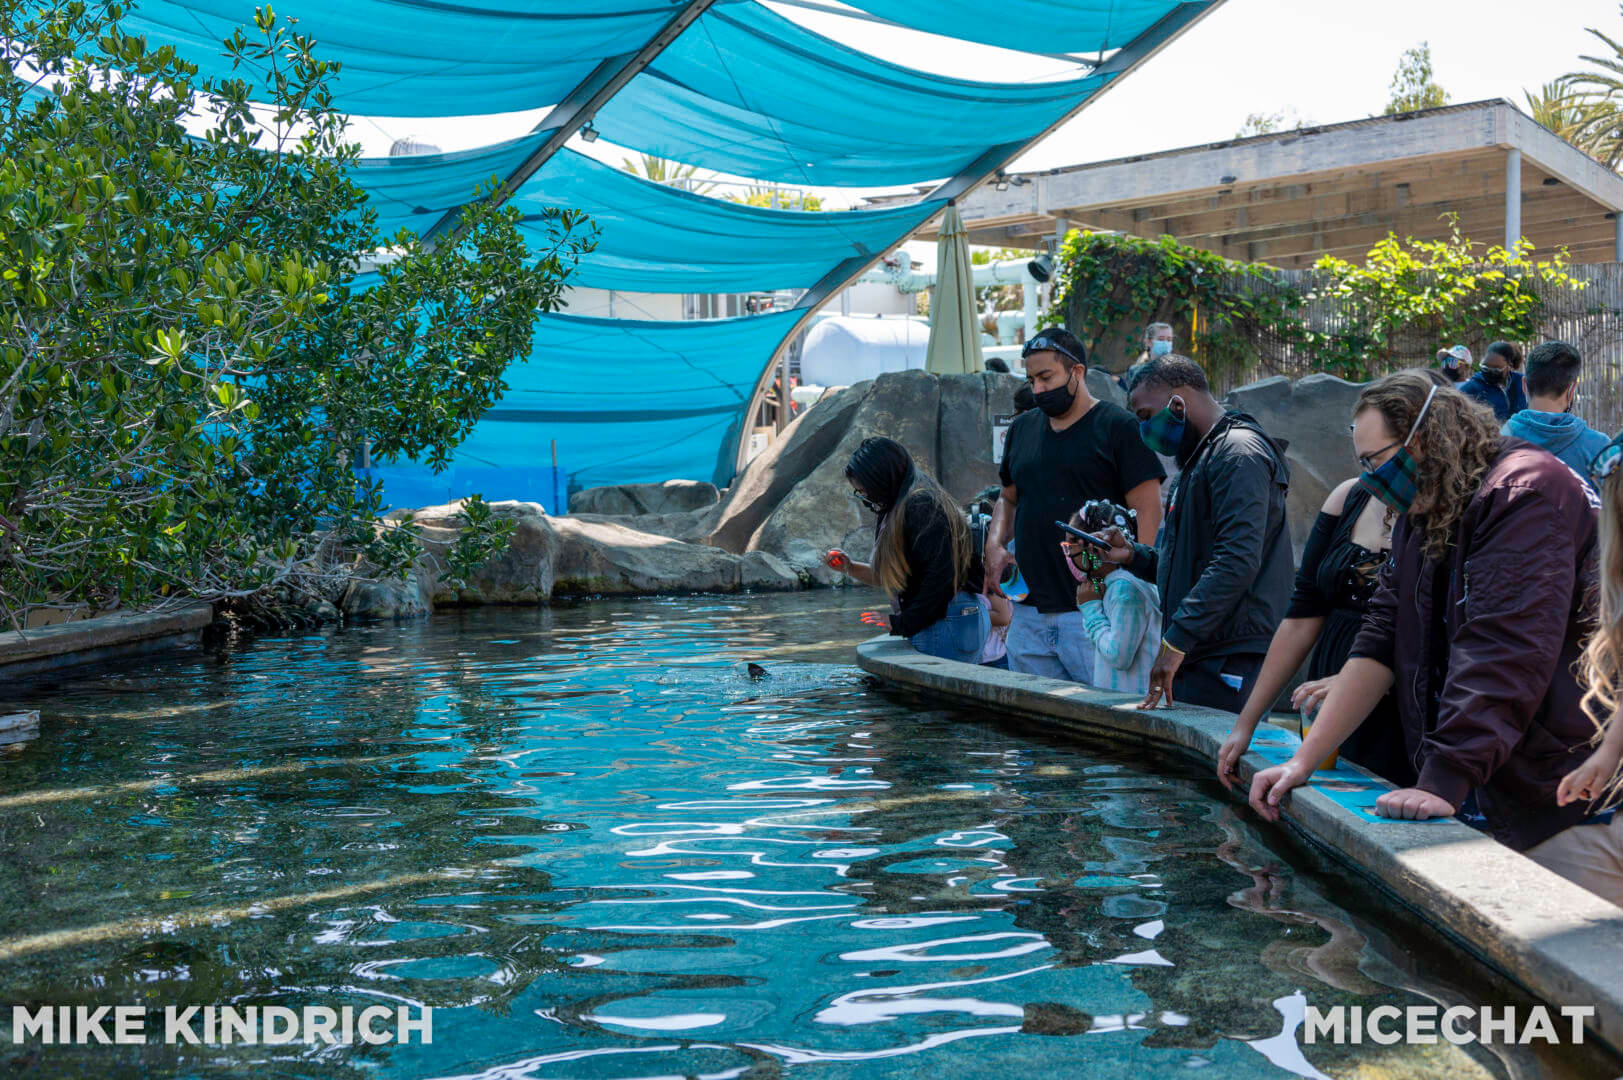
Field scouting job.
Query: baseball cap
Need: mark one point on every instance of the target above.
(1457, 355)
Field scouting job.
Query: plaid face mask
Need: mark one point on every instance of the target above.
(1394, 483)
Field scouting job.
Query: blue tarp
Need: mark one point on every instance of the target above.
(628, 402)
(748, 92)
(1071, 26)
(414, 192)
(426, 57)
(656, 238)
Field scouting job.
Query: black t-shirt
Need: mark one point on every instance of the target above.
(1101, 456)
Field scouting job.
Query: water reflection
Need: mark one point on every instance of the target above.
(598, 848)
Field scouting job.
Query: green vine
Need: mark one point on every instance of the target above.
(1407, 299)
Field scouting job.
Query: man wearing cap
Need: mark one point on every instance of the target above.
(1456, 363)
(1071, 449)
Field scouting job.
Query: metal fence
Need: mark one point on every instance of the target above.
(1590, 318)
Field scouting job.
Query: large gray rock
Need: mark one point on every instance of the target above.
(902, 405)
(803, 445)
(690, 526)
(1312, 415)
(522, 573)
(762, 571)
(364, 601)
(964, 436)
(601, 558)
(671, 497)
(1103, 385)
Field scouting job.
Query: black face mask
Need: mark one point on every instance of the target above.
(1493, 376)
(1058, 401)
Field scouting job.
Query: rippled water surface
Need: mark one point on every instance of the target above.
(599, 848)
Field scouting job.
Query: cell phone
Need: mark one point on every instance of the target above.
(1084, 536)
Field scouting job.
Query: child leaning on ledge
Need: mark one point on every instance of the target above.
(1121, 613)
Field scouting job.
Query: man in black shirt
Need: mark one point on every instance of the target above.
(1070, 449)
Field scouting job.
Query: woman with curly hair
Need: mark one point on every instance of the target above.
(1476, 623)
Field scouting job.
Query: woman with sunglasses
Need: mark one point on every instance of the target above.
(1476, 622)
(921, 556)
(1593, 856)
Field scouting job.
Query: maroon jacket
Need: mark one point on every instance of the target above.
(1487, 692)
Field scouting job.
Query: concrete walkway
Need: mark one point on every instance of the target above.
(1561, 943)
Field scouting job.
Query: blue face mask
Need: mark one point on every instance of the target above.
(1160, 348)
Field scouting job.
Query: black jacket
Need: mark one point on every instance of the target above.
(1487, 693)
(931, 582)
(1223, 564)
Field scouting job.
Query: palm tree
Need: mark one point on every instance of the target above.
(664, 171)
(1597, 97)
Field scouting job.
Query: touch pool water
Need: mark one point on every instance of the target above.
(598, 848)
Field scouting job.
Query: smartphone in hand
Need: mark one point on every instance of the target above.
(1085, 537)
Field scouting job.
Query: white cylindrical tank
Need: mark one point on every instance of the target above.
(847, 349)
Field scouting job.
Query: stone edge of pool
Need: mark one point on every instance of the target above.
(1559, 942)
(105, 637)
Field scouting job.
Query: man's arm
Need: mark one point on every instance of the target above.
(1242, 485)
(997, 539)
(1145, 501)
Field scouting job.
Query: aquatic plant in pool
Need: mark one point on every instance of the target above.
(597, 847)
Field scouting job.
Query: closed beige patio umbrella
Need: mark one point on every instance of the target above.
(955, 331)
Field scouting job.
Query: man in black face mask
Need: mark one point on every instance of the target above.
(1070, 449)
(1224, 565)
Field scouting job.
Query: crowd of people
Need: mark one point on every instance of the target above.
(1458, 606)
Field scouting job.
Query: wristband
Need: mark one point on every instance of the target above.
(1165, 644)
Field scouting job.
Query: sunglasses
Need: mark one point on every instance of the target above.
(1605, 463)
(1045, 343)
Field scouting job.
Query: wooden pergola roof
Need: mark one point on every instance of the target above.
(1290, 197)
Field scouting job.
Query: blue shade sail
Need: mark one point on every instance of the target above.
(1070, 26)
(748, 92)
(628, 402)
(426, 57)
(656, 238)
(415, 191)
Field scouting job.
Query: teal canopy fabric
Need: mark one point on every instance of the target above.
(415, 191)
(427, 57)
(748, 92)
(628, 402)
(656, 238)
(1071, 26)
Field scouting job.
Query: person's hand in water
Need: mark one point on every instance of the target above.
(1228, 758)
(876, 618)
(837, 560)
(1121, 548)
(1270, 787)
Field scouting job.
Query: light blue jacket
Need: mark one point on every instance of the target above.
(1562, 434)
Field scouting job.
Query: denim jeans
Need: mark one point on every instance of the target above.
(960, 635)
(1055, 645)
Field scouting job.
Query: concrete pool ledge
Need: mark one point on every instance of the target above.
(105, 637)
(1559, 942)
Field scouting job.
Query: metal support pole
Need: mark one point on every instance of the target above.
(1617, 235)
(1513, 199)
(783, 396)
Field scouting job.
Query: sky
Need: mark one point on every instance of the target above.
(1329, 61)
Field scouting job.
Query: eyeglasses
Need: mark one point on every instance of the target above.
(1605, 463)
(1367, 461)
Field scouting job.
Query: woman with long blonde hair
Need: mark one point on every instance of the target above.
(922, 553)
(1477, 621)
(1593, 857)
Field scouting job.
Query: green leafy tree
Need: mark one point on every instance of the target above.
(188, 368)
(764, 195)
(1412, 85)
(1286, 119)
